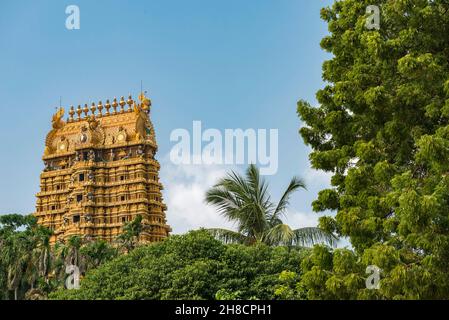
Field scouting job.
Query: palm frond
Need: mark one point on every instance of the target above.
(237, 185)
(244, 200)
(227, 236)
(258, 185)
(280, 234)
(295, 184)
(226, 202)
(311, 235)
(274, 222)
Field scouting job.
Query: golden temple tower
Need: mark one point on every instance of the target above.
(100, 173)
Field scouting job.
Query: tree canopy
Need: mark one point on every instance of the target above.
(381, 128)
(30, 268)
(191, 266)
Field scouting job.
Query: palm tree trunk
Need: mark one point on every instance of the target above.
(45, 261)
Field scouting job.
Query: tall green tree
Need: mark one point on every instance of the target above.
(15, 259)
(382, 130)
(246, 201)
(17, 240)
(39, 258)
(96, 253)
(71, 251)
(130, 235)
(30, 268)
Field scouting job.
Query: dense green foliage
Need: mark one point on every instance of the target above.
(24, 255)
(382, 129)
(191, 266)
(30, 268)
(246, 201)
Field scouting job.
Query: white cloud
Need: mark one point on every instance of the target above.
(185, 188)
(298, 220)
(317, 178)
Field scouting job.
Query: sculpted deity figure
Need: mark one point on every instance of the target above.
(143, 125)
(56, 123)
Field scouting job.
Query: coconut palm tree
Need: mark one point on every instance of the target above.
(97, 252)
(16, 246)
(65, 254)
(130, 235)
(71, 251)
(39, 258)
(16, 258)
(246, 201)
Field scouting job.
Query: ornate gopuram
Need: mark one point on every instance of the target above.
(100, 173)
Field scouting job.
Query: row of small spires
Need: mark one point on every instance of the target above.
(100, 106)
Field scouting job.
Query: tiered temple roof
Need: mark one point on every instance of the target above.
(100, 173)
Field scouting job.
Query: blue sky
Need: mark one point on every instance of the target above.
(230, 64)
